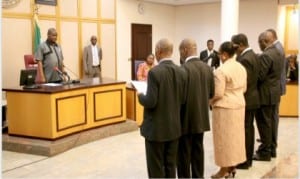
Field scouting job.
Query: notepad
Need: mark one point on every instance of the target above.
(52, 84)
(140, 86)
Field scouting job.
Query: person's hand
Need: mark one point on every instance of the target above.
(41, 80)
(140, 93)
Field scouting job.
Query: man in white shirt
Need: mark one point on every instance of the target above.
(92, 56)
(210, 56)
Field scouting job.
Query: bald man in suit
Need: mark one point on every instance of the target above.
(92, 56)
(195, 112)
(161, 126)
(269, 92)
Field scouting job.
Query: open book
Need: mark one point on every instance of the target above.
(140, 86)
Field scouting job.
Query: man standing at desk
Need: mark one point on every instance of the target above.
(161, 127)
(50, 59)
(92, 56)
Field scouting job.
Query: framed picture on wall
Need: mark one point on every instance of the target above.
(46, 2)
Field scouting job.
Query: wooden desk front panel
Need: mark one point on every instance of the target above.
(70, 112)
(107, 104)
(29, 114)
(289, 102)
(135, 110)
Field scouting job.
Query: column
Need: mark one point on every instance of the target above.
(229, 19)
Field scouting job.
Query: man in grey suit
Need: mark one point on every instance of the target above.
(161, 126)
(269, 91)
(92, 56)
(279, 47)
(247, 57)
(194, 113)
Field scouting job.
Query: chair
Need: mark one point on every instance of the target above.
(31, 64)
(136, 66)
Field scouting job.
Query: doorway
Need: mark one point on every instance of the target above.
(141, 45)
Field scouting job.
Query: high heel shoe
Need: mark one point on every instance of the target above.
(222, 173)
(232, 172)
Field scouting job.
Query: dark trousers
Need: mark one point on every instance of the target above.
(249, 134)
(275, 128)
(161, 158)
(191, 156)
(264, 123)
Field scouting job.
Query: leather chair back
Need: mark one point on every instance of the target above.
(31, 64)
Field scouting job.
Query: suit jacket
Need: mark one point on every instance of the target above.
(230, 85)
(200, 88)
(280, 49)
(250, 61)
(215, 58)
(269, 76)
(88, 58)
(162, 103)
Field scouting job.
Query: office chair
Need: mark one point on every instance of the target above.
(29, 61)
(31, 64)
(136, 66)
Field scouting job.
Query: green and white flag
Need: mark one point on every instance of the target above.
(36, 33)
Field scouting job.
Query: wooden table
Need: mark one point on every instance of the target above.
(51, 112)
(134, 109)
(289, 102)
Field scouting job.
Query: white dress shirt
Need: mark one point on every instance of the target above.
(95, 55)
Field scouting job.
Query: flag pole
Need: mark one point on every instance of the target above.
(36, 31)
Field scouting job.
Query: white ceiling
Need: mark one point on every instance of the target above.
(181, 2)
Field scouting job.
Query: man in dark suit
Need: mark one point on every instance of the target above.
(195, 117)
(210, 56)
(247, 57)
(269, 92)
(161, 125)
(279, 47)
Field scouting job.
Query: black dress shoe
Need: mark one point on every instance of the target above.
(260, 157)
(243, 166)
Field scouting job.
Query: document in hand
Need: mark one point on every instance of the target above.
(140, 86)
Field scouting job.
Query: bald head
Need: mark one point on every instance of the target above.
(51, 31)
(269, 37)
(93, 39)
(273, 33)
(163, 49)
(262, 41)
(52, 35)
(187, 48)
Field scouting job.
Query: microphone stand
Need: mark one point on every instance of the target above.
(72, 81)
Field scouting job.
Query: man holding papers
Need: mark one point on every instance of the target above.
(161, 125)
